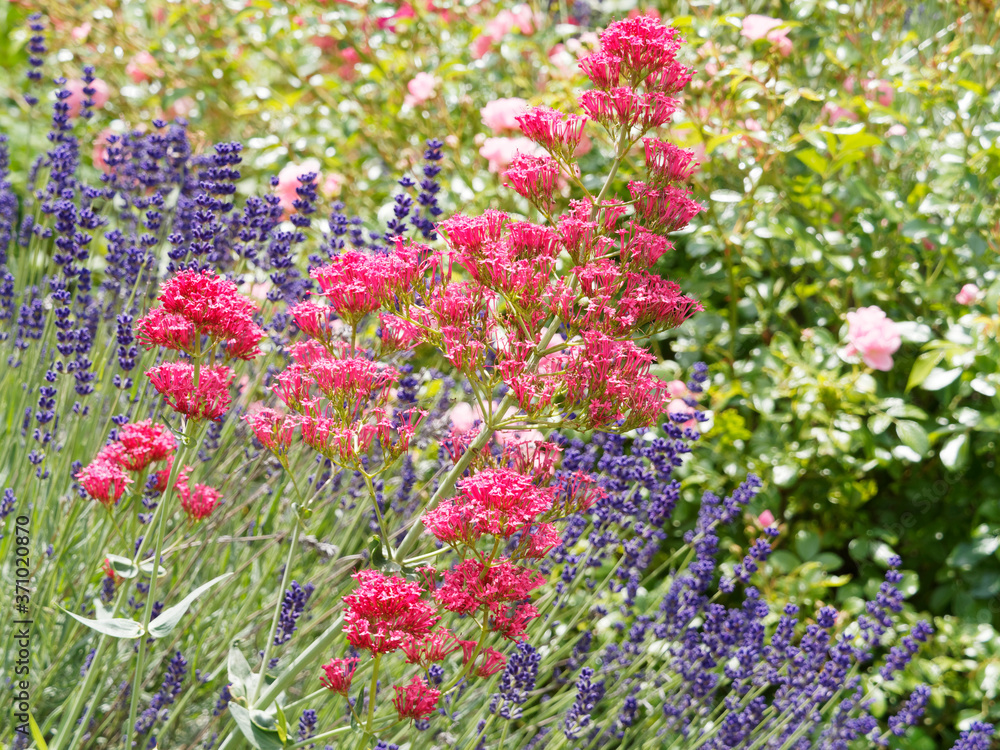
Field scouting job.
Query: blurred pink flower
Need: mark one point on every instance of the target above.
(421, 88)
(143, 67)
(764, 27)
(766, 518)
(835, 112)
(500, 151)
(332, 185)
(519, 18)
(499, 115)
(180, 108)
(872, 335)
(480, 46)
(464, 416)
(79, 33)
(405, 11)
(896, 129)
(968, 295)
(288, 182)
(881, 91)
(100, 150)
(76, 96)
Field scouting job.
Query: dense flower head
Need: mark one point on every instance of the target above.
(144, 443)
(337, 675)
(432, 648)
(871, 334)
(198, 502)
(416, 700)
(197, 304)
(558, 133)
(208, 400)
(643, 44)
(534, 177)
(356, 284)
(499, 502)
(471, 585)
(667, 163)
(384, 613)
(104, 480)
(273, 429)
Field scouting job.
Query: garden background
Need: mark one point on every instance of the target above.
(849, 157)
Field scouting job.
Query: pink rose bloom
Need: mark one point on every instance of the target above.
(968, 295)
(100, 151)
(142, 67)
(332, 185)
(421, 88)
(499, 115)
(464, 416)
(881, 91)
(76, 96)
(288, 182)
(766, 518)
(500, 152)
(896, 129)
(872, 335)
(79, 33)
(480, 46)
(835, 112)
(764, 27)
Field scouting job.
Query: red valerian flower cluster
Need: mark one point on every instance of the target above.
(136, 449)
(199, 312)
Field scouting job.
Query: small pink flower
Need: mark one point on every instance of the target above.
(333, 183)
(480, 46)
(288, 182)
(100, 150)
(896, 129)
(79, 33)
(880, 91)
(764, 27)
(968, 295)
(873, 336)
(182, 107)
(500, 115)
(835, 112)
(422, 88)
(464, 416)
(766, 518)
(143, 67)
(500, 152)
(338, 675)
(76, 96)
(416, 700)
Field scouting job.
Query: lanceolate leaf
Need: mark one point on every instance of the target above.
(117, 627)
(167, 621)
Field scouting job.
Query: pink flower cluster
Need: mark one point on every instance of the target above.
(772, 29)
(519, 18)
(135, 449)
(199, 312)
(873, 336)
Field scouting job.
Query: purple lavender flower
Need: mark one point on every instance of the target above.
(292, 606)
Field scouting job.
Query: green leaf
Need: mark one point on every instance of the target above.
(806, 544)
(812, 159)
(879, 423)
(36, 733)
(238, 669)
(122, 566)
(955, 453)
(937, 378)
(259, 738)
(167, 621)
(116, 628)
(726, 196)
(913, 436)
(146, 566)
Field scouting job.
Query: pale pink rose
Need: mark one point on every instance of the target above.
(258, 291)
(872, 335)
(332, 184)
(180, 108)
(422, 88)
(881, 91)
(764, 27)
(100, 151)
(500, 152)
(758, 27)
(678, 389)
(835, 112)
(76, 96)
(500, 114)
(480, 46)
(143, 67)
(523, 19)
(968, 295)
(288, 182)
(896, 129)
(563, 61)
(506, 437)
(766, 518)
(464, 416)
(79, 33)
